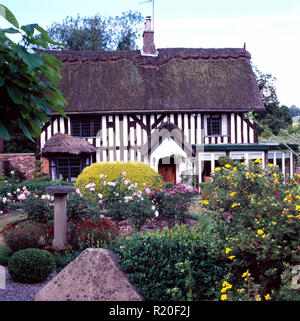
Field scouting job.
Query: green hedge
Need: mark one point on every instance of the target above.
(172, 264)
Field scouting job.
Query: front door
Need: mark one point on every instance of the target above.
(167, 171)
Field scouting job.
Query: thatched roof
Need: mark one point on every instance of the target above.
(65, 144)
(178, 79)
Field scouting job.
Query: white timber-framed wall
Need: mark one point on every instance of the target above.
(122, 135)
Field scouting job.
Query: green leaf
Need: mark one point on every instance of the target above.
(35, 127)
(9, 30)
(29, 29)
(3, 132)
(8, 15)
(15, 94)
(39, 103)
(25, 130)
(51, 60)
(33, 61)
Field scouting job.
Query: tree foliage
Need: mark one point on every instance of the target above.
(294, 111)
(28, 79)
(275, 117)
(98, 32)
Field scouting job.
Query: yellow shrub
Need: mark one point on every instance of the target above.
(136, 172)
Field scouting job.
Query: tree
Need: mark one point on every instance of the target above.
(294, 111)
(98, 32)
(275, 117)
(28, 79)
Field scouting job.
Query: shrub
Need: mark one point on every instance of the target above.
(5, 254)
(79, 207)
(172, 264)
(172, 202)
(38, 209)
(93, 232)
(31, 265)
(27, 235)
(258, 217)
(63, 259)
(140, 173)
(123, 200)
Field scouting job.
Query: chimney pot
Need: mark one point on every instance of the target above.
(148, 39)
(148, 24)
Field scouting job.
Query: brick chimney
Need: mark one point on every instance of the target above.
(148, 39)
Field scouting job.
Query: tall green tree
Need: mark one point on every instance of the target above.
(275, 117)
(28, 79)
(98, 32)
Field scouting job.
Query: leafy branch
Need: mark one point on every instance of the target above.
(269, 132)
(28, 79)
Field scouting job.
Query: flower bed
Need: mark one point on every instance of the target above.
(244, 249)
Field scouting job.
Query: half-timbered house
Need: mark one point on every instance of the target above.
(177, 109)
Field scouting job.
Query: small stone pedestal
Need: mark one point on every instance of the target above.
(60, 213)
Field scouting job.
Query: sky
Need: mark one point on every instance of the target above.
(270, 28)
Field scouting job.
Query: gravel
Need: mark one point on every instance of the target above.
(15, 291)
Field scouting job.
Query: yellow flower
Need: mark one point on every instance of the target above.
(227, 165)
(226, 286)
(206, 202)
(260, 232)
(217, 168)
(257, 298)
(231, 257)
(233, 193)
(267, 297)
(297, 207)
(227, 250)
(258, 161)
(234, 169)
(223, 297)
(245, 274)
(274, 223)
(271, 165)
(235, 204)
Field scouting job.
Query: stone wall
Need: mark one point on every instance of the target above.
(24, 162)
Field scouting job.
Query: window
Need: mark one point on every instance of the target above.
(68, 168)
(85, 127)
(214, 125)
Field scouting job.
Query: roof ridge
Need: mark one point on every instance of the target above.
(165, 55)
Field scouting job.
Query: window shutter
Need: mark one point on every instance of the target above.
(224, 125)
(205, 125)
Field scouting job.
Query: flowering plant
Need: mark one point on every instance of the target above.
(27, 235)
(257, 213)
(93, 232)
(122, 199)
(172, 201)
